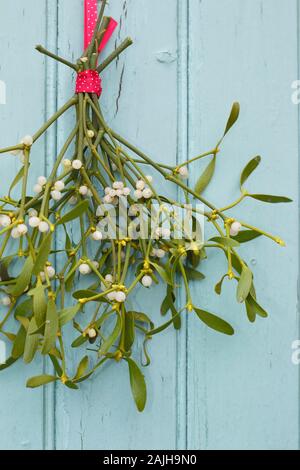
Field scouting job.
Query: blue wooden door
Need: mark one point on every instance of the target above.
(171, 94)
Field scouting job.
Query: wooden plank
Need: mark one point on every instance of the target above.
(243, 391)
(22, 69)
(140, 101)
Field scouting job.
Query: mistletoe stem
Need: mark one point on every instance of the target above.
(44, 51)
(124, 45)
(24, 184)
(55, 116)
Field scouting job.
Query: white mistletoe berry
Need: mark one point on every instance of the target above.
(5, 221)
(96, 264)
(50, 271)
(235, 228)
(77, 164)
(90, 134)
(112, 193)
(147, 193)
(118, 185)
(138, 194)
(149, 178)
(160, 253)
(111, 296)
(107, 190)
(97, 236)
(32, 213)
(22, 229)
(67, 163)
(15, 233)
(37, 189)
(56, 195)
(44, 227)
(140, 185)
(147, 281)
(126, 191)
(109, 278)
(84, 269)
(59, 185)
(27, 140)
(120, 297)
(92, 333)
(42, 180)
(184, 172)
(108, 199)
(6, 301)
(119, 192)
(83, 190)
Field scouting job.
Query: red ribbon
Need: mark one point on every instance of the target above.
(89, 81)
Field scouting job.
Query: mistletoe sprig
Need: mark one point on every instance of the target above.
(97, 169)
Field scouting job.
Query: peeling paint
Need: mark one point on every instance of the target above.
(120, 90)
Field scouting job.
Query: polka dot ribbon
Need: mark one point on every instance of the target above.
(89, 81)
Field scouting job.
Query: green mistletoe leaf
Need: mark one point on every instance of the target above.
(10, 361)
(66, 315)
(225, 241)
(82, 368)
(80, 209)
(253, 308)
(71, 385)
(51, 328)
(31, 343)
(138, 385)
(108, 342)
(16, 180)
(193, 274)
(245, 236)
(169, 304)
(248, 170)
(234, 115)
(85, 294)
(19, 343)
(40, 380)
(245, 284)
(43, 254)
(163, 273)
(163, 327)
(129, 331)
(24, 309)
(206, 177)
(23, 280)
(143, 318)
(39, 304)
(270, 199)
(214, 322)
(56, 365)
(218, 286)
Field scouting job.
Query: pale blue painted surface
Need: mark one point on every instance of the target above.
(190, 60)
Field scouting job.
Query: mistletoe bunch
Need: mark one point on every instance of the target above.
(96, 176)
